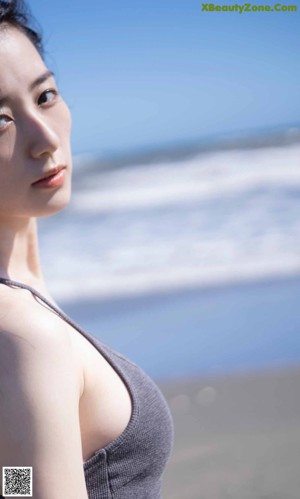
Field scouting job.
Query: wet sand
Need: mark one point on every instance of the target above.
(237, 436)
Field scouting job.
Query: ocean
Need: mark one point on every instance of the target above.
(187, 266)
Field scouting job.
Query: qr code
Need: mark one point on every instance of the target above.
(17, 482)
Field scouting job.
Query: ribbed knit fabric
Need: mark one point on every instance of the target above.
(132, 466)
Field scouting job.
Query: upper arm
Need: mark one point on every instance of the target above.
(39, 414)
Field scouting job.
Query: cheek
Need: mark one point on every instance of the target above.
(10, 188)
(65, 134)
(65, 119)
(7, 161)
(8, 146)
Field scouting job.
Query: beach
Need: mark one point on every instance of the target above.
(228, 363)
(236, 436)
(199, 332)
(187, 263)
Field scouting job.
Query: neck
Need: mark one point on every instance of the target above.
(19, 256)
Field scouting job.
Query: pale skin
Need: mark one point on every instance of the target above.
(60, 400)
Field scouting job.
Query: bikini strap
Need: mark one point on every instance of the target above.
(57, 310)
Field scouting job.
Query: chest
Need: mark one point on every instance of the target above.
(105, 405)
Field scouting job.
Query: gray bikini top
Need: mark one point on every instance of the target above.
(132, 466)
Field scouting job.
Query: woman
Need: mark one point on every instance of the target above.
(89, 422)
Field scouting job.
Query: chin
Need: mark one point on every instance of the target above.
(54, 205)
(47, 203)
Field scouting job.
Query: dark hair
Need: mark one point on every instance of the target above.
(16, 13)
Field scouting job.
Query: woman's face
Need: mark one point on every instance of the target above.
(35, 128)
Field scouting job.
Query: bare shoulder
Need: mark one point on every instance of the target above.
(21, 312)
(39, 397)
(30, 335)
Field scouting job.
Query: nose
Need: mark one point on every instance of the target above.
(43, 140)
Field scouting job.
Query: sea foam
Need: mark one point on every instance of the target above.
(207, 220)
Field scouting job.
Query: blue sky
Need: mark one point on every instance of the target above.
(146, 73)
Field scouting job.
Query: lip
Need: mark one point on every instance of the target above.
(52, 178)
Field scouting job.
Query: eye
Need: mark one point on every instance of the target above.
(4, 121)
(47, 97)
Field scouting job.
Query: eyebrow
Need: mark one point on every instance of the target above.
(41, 79)
(38, 81)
